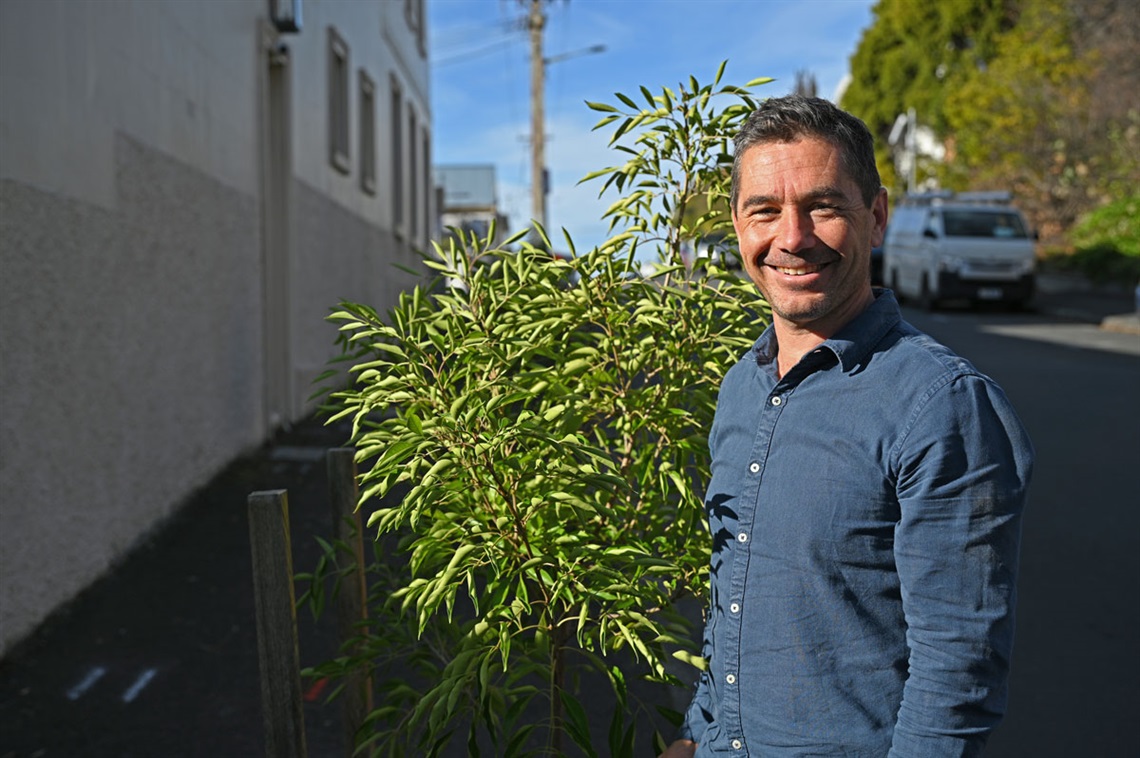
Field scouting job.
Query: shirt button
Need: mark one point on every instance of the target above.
(735, 607)
(777, 400)
(742, 537)
(754, 467)
(731, 679)
(737, 744)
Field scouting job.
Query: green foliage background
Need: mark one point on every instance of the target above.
(1031, 96)
(1106, 244)
(533, 436)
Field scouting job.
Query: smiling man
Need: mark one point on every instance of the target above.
(867, 486)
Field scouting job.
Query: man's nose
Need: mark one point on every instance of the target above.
(795, 232)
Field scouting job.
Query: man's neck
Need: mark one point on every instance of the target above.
(795, 340)
(794, 343)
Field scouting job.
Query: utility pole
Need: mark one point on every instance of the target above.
(536, 21)
(912, 150)
(536, 25)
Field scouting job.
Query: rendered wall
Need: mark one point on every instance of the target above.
(131, 263)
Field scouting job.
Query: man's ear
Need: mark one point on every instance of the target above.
(879, 213)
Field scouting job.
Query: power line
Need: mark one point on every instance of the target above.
(469, 54)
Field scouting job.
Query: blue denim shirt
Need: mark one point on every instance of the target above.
(865, 511)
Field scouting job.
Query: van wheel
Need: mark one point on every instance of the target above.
(926, 297)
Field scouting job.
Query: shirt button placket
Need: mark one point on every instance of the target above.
(737, 744)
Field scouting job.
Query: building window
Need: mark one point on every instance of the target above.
(338, 102)
(397, 156)
(428, 228)
(414, 14)
(367, 134)
(413, 177)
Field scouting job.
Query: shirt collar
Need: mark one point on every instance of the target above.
(854, 342)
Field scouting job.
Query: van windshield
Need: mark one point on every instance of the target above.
(983, 224)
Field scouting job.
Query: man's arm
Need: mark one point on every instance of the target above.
(963, 472)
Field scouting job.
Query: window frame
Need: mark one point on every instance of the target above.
(367, 135)
(413, 175)
(338, 102)
(396, 147)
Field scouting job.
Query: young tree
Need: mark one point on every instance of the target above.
(535, 437)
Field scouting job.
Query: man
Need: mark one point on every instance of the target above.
(867, 486)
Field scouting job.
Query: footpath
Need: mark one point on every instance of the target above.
(158, 659)
(1070, 297)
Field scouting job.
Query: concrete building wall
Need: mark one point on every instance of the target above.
(135, 305)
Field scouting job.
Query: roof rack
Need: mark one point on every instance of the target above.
(927, 198)
(938, 197)
(995, 197)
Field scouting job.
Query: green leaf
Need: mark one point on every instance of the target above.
(696, 661)
(577, 725)
(414, 423)
(719, 72)
(605, 121)
(616, 732)
(625, 100)
(621, 130)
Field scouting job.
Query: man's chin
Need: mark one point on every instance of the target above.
(800, 310)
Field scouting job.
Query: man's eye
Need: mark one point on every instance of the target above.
(827, 209)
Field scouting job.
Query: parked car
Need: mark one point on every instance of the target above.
(970, 246)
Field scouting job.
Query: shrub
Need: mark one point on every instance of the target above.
(1115, 226)
(1105, 245)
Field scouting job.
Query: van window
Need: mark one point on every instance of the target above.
(983, 224)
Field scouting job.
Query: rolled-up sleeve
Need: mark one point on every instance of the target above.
(963, 469)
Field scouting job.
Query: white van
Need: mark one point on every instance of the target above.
(971, 246)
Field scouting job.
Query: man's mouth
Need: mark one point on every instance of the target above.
(800, 270)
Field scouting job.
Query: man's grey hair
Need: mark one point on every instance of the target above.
(794, 117)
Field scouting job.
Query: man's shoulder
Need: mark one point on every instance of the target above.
(920, 357)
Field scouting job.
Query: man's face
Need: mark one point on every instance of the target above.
(805, 233)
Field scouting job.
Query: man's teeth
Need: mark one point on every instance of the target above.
(799, 271)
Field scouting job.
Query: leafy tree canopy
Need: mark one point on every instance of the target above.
(1027, 95)
(913, 55)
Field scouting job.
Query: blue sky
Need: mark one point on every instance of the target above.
(480, 78)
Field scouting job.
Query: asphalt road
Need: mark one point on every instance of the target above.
(1075, 688)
